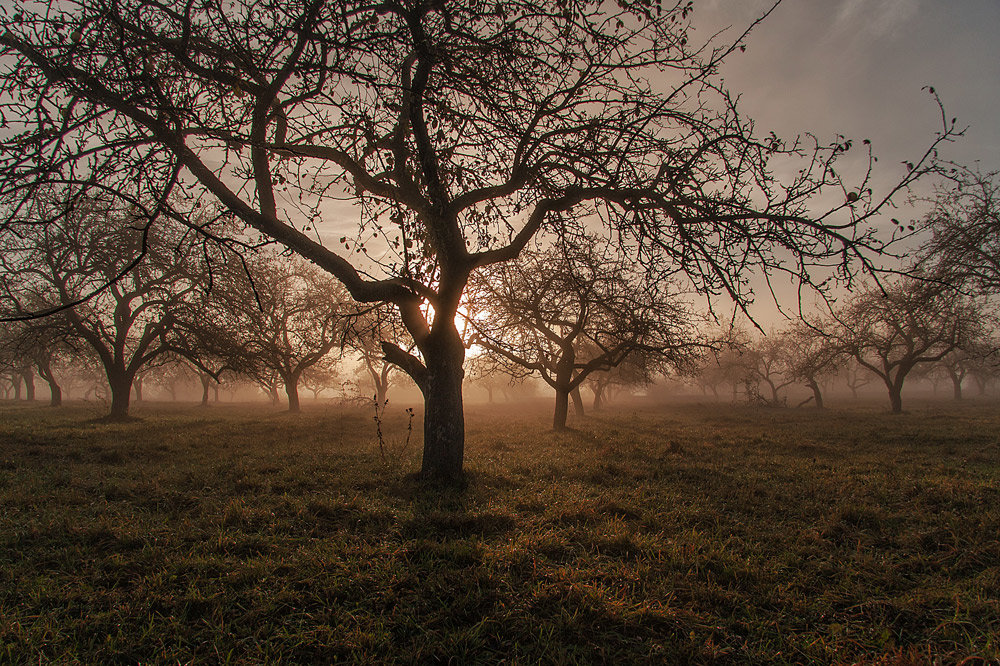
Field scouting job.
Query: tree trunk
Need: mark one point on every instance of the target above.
(205, 383)
(956, 382)
(599, 396)
(29, 384)
(55, 392)
(215, 388)
(816, 394)
(292, 391)
(562, 410)
(489, 392)
(895, 397)
(138, 389)
(577, 401)
(444, 416)
(121, 389)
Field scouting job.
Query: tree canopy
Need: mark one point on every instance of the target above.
(460, 131)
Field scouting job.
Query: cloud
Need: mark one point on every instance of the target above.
(875, 18)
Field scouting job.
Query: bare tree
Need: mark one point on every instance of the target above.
(84, 263)
(891, 330)
(637, 370)
(964, 223)
(567, 312)
(461, 130)
(278, 318)
(768, 360)
(323, 376)
(857, 376)
(366, 337)
(811, 355)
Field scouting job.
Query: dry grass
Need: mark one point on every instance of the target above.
(677, 534)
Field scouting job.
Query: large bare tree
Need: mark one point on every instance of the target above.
(461, 130)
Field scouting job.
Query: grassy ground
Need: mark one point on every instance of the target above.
(682, 534)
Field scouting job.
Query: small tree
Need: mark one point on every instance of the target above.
(276, 320)
(892, 330)
(768, 360)
(567, 312)
(812, 355)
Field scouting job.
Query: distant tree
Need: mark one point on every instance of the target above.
(964, 226)
(857, 376)
(637, 370)
(462, 130)
(811, 356)
(567, 312)
(909, 322)
(321, 377)
(367, 334)
(275, 320)
(119, 288)
(768, 360)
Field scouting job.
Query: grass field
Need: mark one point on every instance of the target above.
(687, 533)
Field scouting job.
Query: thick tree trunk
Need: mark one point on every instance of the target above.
(956, 383)
(292, 391)
(137, 384)
(15, 379)
(444, 415)
(895, 396)
(577, 401)
(29, 384)
(562, 410)
(215, 388)
(121, 390)
(55, 392)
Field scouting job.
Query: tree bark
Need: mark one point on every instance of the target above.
(444, 415)
(956, 382)
(205, 383)
(55, 392)
(577, 401)
(121, 390)
(895, 397)
(292, 391)
(562, 410)
(29, 384)
(816, 394)
(138, 389)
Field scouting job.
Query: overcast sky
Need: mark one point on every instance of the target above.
(857, 67)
